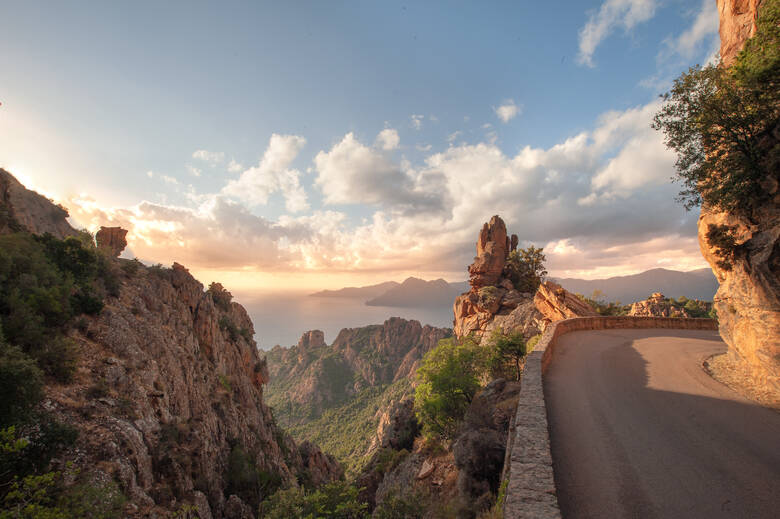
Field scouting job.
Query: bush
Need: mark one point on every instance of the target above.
(21, 385)
(721, 121)
(221, 297)
(401, 505)
(337, 500)
(507, 349)
(525, 268)
(449, 377)
(246, 481)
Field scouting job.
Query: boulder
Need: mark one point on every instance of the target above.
(556, 303)
(492, 250)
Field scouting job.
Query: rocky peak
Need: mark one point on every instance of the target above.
(311, 340)
(493, 247)
(111, 239)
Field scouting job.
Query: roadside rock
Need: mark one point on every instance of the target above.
(556, 303)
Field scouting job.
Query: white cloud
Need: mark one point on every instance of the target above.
(454, 136)
(273, 174)
(388, 139)
(507, 111)
(423, 147)
(611, 15)
(195, 172)
(417, 121)
(235, 167)
(704, 28)
(352, 173)
(212, 157)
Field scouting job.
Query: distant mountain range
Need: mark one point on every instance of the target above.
(419, 293)
(694, 284)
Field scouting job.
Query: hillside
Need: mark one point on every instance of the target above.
(152, 386)
(363, 293)
(332, 393)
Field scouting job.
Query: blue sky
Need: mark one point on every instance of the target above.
(399, 128)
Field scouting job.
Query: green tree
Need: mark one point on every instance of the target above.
(508, 349)
(525, 268)
(723, 124)
(449, 377)
(21, 384)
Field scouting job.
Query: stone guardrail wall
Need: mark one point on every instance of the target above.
(530, 491)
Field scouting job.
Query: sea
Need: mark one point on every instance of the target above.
(281, 318)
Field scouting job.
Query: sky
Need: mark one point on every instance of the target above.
(300, 145)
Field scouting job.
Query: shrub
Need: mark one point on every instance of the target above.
(507, 349)
(21, 385)
(338, 500)
(247, 481)
(723, 240)
(221, 297)
(449, 377)
(525, 268)
(398, 504)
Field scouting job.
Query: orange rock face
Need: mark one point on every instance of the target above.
(737, 24)
(112, 239)
(492, 250)
(748, 299)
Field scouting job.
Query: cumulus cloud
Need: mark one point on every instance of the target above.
(212, 157)
(388, 139)
(507, 111)
(417, 121)
(234, 167)
(352, 173)
(612, 14)
(273, 174)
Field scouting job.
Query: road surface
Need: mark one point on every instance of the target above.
(639, 430)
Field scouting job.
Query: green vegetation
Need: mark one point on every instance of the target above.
(234, 332)
(449, 377)
(45, 284)
(398, 504)
(525, 268)
(720, 121)
(246, 480)
(221, 297)
(507, 349)
(603, 307)
(346, 430)
(337, 500)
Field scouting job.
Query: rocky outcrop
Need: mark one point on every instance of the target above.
(748, 299)
(112, 240)
(492, 249)
(556, 303)
(492, 300)
(659, 306)
(737, 23)
(22, 209)
(397, 426)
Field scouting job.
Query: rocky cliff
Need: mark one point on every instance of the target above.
(748, 299)
(657, 305)
(167, 396)
(337, 394)
(493, 302)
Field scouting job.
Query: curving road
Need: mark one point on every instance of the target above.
(639, 430)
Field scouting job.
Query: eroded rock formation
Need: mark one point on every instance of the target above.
(748, 299)
(492, 301)
(111, 239)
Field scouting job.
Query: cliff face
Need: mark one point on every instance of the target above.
(748, 299)
(167, 397)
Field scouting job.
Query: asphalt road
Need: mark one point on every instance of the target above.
(638, 429)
